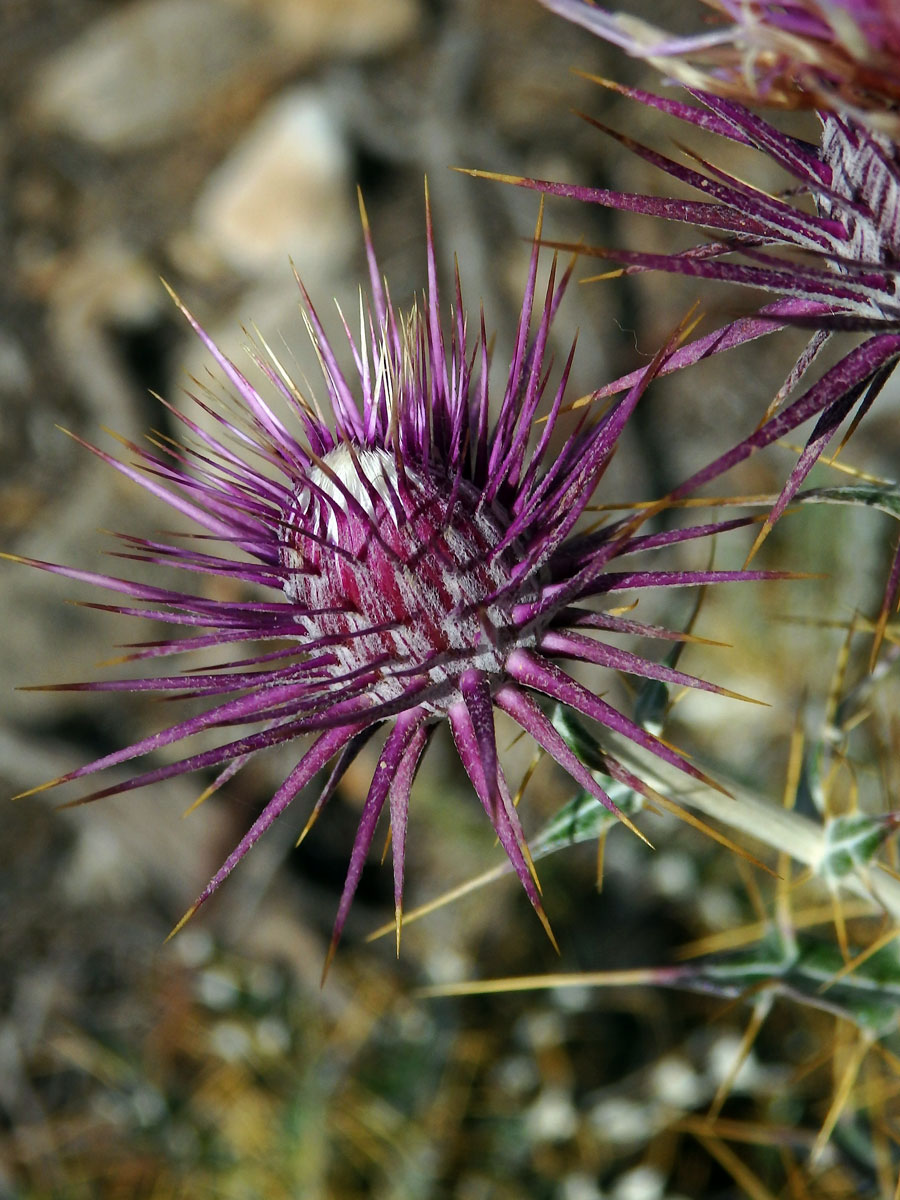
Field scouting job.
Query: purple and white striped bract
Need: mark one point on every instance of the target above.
(410, 559)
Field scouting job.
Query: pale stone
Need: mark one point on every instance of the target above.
(620, 1120)
(676, 1083)
(217, 988)
(319, 28)
(552, 1117)
(231, 1041)
(283, 192)
(148, 71)
(579, 1186)
(724, 1053)
(139, 76)
(640, 1183)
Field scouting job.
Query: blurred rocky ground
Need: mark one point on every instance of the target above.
(213, 143)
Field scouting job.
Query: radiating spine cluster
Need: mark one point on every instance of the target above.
(414, 558)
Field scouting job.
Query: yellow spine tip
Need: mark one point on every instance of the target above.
(329, 959)
(542, 917)
(634, 829)
(204, 795)
(363, 214)
(41, 787)
(181, 924)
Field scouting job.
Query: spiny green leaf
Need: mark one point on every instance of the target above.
(584, 819)
(883, 496)
(651, 705)
(579, 739)
(803, 968)
(852, 841)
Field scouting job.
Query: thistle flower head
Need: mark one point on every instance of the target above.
(840, 55)
(411, 560)
(835, 269)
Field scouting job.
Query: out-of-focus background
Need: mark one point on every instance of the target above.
(213, 143)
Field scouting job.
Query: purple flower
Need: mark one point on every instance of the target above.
(409, 561)
(842, 55)
(835, 269)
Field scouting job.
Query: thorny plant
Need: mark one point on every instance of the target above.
(418, 562)
(845, 854)
(417, 556)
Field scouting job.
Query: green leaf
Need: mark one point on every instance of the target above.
(883, 496)
(851, 842)
(579, 739)
(803, 968)
(584, 819)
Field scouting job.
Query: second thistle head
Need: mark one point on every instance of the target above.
(838, 55)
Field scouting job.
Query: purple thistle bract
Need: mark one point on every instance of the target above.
(841, 55)
(836, 269)
(412, 560)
